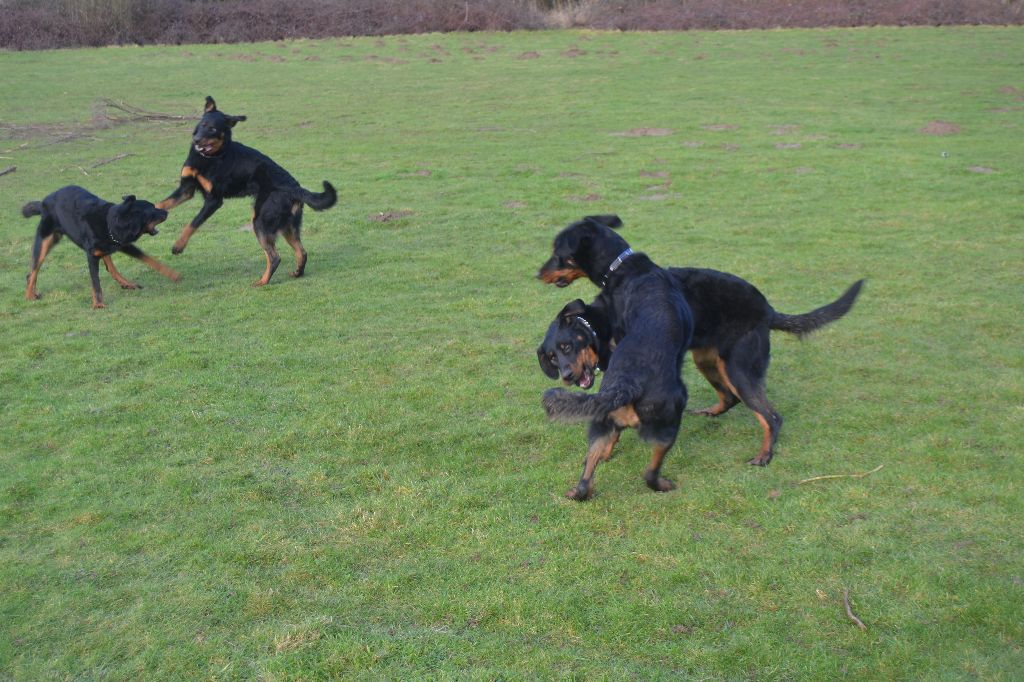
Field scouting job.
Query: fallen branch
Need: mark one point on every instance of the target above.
(9, 169)
(849, 611)
(821, 478)
(133, 113)
(112, 159)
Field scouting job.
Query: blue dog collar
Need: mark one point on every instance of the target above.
(616, 263)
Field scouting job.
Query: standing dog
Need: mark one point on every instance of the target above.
(652, 324)
(221, 169)
(731, 339)
(98, 227)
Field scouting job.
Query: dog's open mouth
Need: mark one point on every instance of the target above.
(208, 147)
(586, 378)
(151, 225)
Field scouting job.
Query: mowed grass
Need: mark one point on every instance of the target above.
(350, 475)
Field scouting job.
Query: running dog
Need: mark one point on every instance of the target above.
(222, 169)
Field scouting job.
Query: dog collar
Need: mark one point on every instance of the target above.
(616, 263)
(111, 235)
(594, 335)
(587, 325)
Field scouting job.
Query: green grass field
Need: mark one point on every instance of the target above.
(351, 475)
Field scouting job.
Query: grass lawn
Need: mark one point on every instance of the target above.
(350, 474)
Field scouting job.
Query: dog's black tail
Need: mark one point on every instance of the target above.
(321, 201)
(565, 406)
(802, 325)
(32, 208)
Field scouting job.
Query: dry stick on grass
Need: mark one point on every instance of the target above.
(136, 114)
(112, 159)
(9, 169)
(849, 611)
(821, 478)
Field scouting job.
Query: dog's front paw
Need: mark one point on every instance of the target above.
(98, 305)
(551, 398)
(176, 250)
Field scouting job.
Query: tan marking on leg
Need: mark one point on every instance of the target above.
(108, 263)
(160, 267)
(764, 455)
(182, 240)
(706, 360)
(30, 290)
(300, 253)
(662, 485)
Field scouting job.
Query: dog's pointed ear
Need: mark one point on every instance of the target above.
(611, 221)
(571, 310)
(232, 120)
(128, 198)
(210, 105)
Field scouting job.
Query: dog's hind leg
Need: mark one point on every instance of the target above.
(602, 438)
(745, 375)
(40, 248)
(291, 235)
(706, 360)
(273, 257)
(652, 475)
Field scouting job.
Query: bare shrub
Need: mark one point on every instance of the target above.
(42, 24)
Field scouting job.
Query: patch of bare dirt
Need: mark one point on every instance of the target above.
(849, 145)
(981, 169)
(574, 52)
(586, 198)
(388, 216)
(643, 132)
(940, 128)
(787, 129)
(515, 204)
(529, 55)
(719, 127)
(788, 145)
(654, 174)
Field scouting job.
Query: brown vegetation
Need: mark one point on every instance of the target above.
(44, 24)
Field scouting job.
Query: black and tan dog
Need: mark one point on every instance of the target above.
(642, 387)
(98, 227)
(221, 169)
(731, 340)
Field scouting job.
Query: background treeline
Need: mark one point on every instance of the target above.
(42, 24)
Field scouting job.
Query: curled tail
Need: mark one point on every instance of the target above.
(321, 201)
(565, 406)
(32, 208)
(802, 325)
